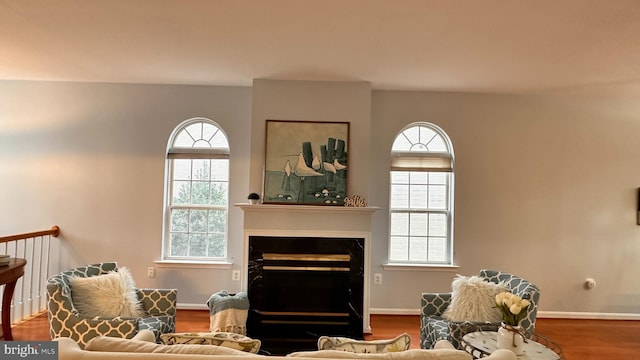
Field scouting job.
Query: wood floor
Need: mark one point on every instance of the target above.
(579, 339)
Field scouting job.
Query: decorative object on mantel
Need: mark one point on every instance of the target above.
(510, 334)
(253, 198)
(355, 201)
(305, 162)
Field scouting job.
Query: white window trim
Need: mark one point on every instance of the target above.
(444, 162)
(173, 153)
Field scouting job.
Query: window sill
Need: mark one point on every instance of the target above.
(190, 264)
(420, 267)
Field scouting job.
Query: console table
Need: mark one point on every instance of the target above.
(9, 275)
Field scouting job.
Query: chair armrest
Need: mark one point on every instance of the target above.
(119, 327)
(158, 301)
(434, 304)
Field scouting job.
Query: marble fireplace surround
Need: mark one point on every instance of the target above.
(311, 221)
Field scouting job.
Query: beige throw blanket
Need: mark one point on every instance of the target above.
(228, 312)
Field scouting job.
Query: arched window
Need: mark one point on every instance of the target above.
(421, 196)
(197, 193)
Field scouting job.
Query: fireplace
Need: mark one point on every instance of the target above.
(301, 288)
(306, 230)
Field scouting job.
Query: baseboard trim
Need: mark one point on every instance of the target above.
(541, 314)
(587, 315)
(183, 306)
(382, 311)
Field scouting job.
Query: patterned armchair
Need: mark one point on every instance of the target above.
(433, 327)
(65, 320)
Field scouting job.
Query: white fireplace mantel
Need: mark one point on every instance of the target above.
(311, 221)
(307, 208)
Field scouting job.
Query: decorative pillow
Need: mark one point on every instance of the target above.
(411, 354)
(474, 299)
(226, 339)
(112, 344)
(110, 295)
(399, 343)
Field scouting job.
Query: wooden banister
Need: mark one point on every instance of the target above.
(54, 231)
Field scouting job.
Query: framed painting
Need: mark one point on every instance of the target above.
(306, 162)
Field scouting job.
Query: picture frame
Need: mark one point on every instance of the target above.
(306, 162)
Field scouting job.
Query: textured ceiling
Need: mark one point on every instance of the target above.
(448, 45)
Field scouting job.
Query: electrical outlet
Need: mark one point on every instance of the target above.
(377, 278)
(235, 275)
(151, 272)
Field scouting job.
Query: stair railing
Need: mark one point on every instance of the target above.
(29, 297)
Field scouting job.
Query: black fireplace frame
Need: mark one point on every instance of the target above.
(307, 264)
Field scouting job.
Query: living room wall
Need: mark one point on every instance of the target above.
(545, 187)
(546, 184)
(90, 158)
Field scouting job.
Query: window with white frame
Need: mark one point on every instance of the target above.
(197, 194)
(421, 197)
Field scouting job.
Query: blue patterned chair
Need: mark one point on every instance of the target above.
(433, 327)
(65, 320)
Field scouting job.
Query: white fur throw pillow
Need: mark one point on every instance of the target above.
(474, 299)
(110, 295)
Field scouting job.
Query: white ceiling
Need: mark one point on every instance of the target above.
(450, 45)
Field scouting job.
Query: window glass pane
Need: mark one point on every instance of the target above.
(419, 147)
(201, 169)
(200, 192)
(201, 144)
(399, 177)
(401, 144)
(220, 141)
(438, 178)
(427, 135)
(208, 132)
(182, 169)
(418, 197)
(216, 245)
(438, 249)
(179, 220)
(217, 221)
(399, 248)
(418, 224)
(219, 193)
(437, 197)
(418, 248)
(437, 225)
(399, 224)
(220, 169)
(181, 192)
(197, 245)
(198, 221)
(419, 177)
(195, 130)
(179, 244)
(412, 134)
(183, 139)
(437, 144)
(399, 196)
